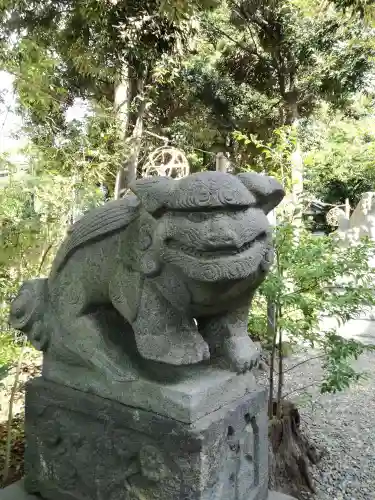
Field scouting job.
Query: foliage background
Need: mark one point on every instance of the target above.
(274, 84)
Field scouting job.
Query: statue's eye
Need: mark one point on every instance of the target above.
(197, 216)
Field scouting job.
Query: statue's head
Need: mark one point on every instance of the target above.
(212, 225)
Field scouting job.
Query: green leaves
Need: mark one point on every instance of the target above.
(313, 278)
(34, 215)
(339, 355)
(272, 157)
(341, 165)
(363, 8)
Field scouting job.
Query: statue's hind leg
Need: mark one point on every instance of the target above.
(164, 334)
(85, 344)
(81, 337)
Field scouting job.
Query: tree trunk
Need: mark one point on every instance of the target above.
(129, 91)
(296, 162)
(291, 455)
(122, 100)
(296, 157)
(137, 133)
(272, 335)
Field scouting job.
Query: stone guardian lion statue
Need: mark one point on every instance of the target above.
(179, 260)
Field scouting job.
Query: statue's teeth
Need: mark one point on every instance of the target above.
(203, 254)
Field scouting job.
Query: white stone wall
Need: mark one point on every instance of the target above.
(361, 223)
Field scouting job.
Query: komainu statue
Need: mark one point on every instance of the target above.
(176, 263)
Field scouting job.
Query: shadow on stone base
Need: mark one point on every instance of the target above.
(17, 492)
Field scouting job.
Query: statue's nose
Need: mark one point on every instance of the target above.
(222, 237)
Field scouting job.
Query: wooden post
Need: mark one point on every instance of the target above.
(347, 208)
(221, 162)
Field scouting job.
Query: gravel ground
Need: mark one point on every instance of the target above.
(343, 424)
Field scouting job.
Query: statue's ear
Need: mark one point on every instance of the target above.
(267, 190)
(152, 191)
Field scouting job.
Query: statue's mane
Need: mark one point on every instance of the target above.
(98, 222)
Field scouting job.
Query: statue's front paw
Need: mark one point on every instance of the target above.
(187, 349)
(240, 353)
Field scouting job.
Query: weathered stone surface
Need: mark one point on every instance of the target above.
(195, 391)
(275, 495)
(154, 281)
(17, 492)
(80, 446)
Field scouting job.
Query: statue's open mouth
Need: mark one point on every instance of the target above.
(219, 251)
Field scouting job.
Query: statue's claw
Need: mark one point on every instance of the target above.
(240, 353)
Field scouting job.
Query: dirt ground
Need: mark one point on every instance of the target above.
(30, 367)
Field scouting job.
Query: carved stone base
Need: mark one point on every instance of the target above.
(83, 447)
(17, 492)
(186, 394)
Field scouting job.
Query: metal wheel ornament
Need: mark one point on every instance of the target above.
(166, 162)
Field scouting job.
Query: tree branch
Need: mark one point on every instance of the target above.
(232, 39)
(303, 362)
(44, 256)
(299, 389)
(161, 137)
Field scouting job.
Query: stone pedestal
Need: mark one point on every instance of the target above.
(84, 447)
(17, 492)
(183, 393)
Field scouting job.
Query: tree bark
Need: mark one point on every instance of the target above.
(296, 163)
(280, 381)
(291, 454)
(296, 157)
(135, 141)
(272, 334)
(128, 92)
(122, 100)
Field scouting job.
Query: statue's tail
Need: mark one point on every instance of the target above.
(27, 312)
